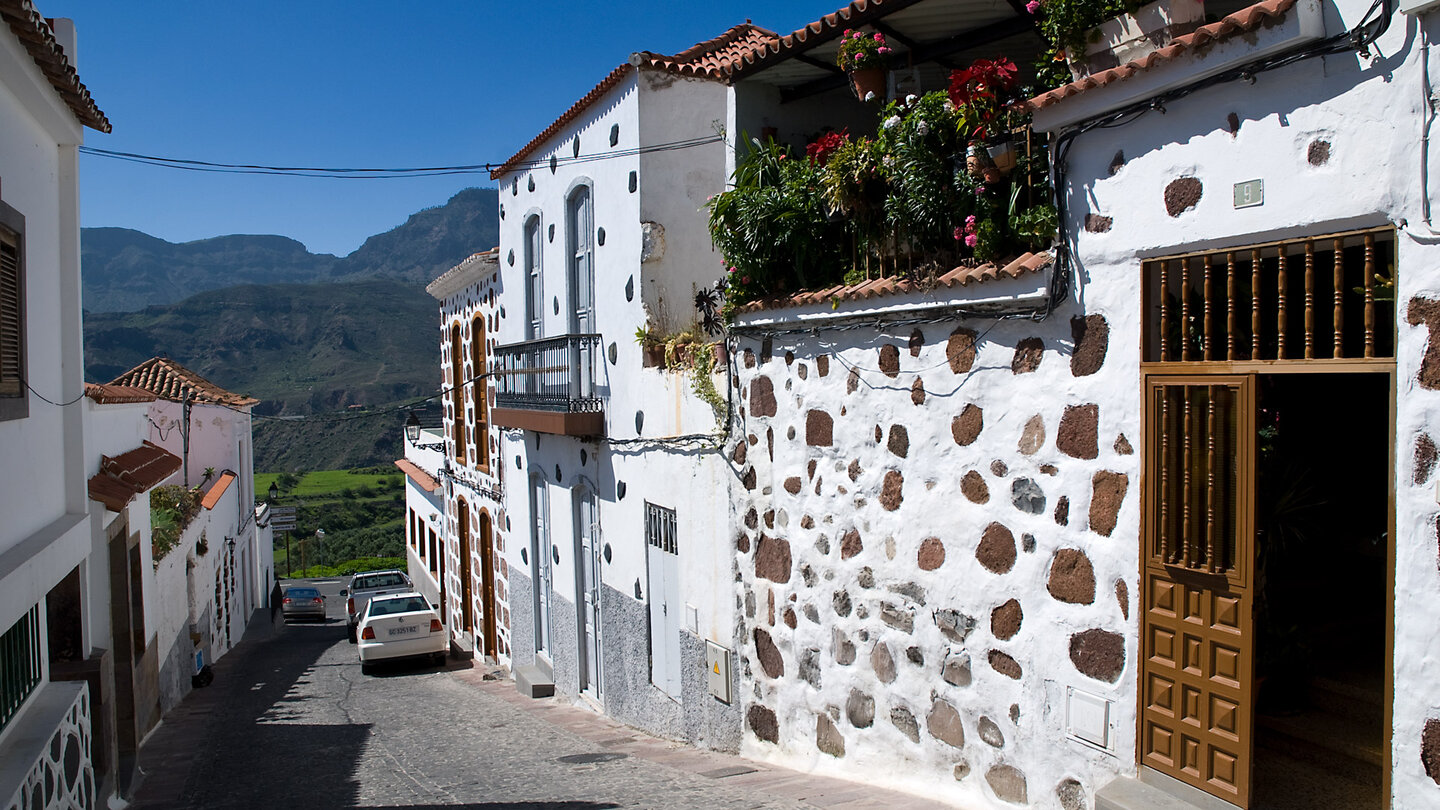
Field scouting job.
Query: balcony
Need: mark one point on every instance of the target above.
(550, 385)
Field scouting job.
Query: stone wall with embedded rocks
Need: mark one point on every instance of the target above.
(938, 534)
(1337, 149)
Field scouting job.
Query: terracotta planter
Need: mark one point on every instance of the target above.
(1003, 154)
(722, 354)
(868, 81)
(654, 357)
(1133, 36)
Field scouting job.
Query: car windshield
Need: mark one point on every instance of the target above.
(407, 604)
(303, 593)
(379, 581)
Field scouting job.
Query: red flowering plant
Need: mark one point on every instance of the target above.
(860, 50)
(820, 149)
(984, 97)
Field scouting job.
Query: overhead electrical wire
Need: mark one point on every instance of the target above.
(374, 173)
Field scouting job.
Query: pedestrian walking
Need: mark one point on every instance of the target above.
(276, 595)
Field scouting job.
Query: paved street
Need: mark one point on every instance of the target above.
(291, 722)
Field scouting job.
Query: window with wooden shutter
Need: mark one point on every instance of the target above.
(12, 316)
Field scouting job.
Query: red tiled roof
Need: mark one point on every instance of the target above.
(131, 473)
(117, 394)
(169, 380)
(709, 60)
(1241, 22)
(831, 26)
(35, 34)
(876, 288)
(217, 489)
(421, 478)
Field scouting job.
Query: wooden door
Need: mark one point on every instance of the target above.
(487, 585)
(467, 623)
(1196, 687)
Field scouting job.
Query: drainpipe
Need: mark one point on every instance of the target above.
(185, 436)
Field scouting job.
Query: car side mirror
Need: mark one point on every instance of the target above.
(344, 591)
(435, 606)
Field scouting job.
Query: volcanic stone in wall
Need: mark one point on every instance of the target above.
(772, 559)
(1425, 454)
(990, 733)
(1078, 434)
(967, 426)
(917, 342)
(1108, 493)
(1027, 496)
(974, 488)
(915, 655)
(827, 737)
(997, 549)
(819, 428)
(1430, 749)
(768, 654)
(841, 603)
(752, 518)
(854, 470)
(860, 709)
(1099, 654)
(1008, 783)
(1426, 311)
(904, 720)
(944, 724)
(792, 484)
(956, 670)
(917, 392)
(890, 360)
(899, 442)
(1122, 595)
(851, 544)
(790, 621)
(742, 543)
(1071, 795)
(892, 490)
(809, 664)
(1028, 354)
(852, 382)
(822, 365)
(1182, 194)
(1122, 445)
(883, 663)
(844, 648)
(762, 396)
(1072, 577)
(954, 625)
(960, 350)
(931, 554)
(763, 722)
(1032, 438)
(741, 452)
(749, 358)
(748, 479)
(1092, 340)
(1005, 620)
(896, 617)
(1005, 665)
(1062, 511)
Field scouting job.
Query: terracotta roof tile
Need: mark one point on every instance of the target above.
(217, 489)
(35, 34)
(882, 287)
(117, 394)
(169, 380)
(131, 473)
(421, 478)
(1241, 22)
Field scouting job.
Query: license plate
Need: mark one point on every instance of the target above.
(404, 631)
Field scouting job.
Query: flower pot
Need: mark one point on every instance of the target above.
(868, 83)
(721, 354)
(654, 356)
(1003, 154)
(978, 162)
(1133, 36)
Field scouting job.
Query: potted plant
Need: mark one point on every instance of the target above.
(1095, 35)
(987, 107)
(652, 348)
(864, 57)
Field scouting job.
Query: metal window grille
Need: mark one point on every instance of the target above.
(660, 528)
(20, 664)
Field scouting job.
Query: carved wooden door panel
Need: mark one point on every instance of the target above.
(1197, 635)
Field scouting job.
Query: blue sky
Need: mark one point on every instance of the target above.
(353, 83)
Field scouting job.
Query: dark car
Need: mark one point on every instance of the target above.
(303, 603)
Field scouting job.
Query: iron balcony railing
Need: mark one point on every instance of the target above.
(20, 666)
(549, 374)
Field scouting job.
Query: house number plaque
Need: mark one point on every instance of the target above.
(1249, 193)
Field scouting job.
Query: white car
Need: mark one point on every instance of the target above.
(400, 626)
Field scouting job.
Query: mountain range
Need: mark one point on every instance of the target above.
(339, 341)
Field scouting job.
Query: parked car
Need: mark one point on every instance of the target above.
(401, 626)
(364, 587)
(303, 603)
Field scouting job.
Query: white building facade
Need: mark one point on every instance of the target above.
(46, 536)
(615, 508)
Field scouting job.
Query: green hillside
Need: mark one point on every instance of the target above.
(301, 349)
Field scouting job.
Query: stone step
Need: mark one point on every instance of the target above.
(534, 681)
(1132, 794)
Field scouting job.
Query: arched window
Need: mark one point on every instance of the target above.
(580, 230)
(480, 427)
(534, 284)
(457, 393)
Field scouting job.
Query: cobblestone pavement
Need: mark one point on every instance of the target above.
(290, 722)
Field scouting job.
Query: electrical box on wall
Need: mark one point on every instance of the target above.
(1089, 719)
(717, 662)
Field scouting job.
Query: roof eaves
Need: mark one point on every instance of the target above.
(39, 40)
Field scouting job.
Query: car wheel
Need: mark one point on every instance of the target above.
(350, 634)
(366, 669)
(440, 658)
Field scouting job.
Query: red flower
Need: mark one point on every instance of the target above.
(820, 150)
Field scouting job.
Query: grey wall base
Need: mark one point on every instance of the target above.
(522, 619)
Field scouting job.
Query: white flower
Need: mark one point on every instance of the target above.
(870, 96)
(922, 128)
(949, 106)
(911, 99)
(891, 122)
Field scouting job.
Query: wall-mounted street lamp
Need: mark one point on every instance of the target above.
(412, 427)
(273, 494)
